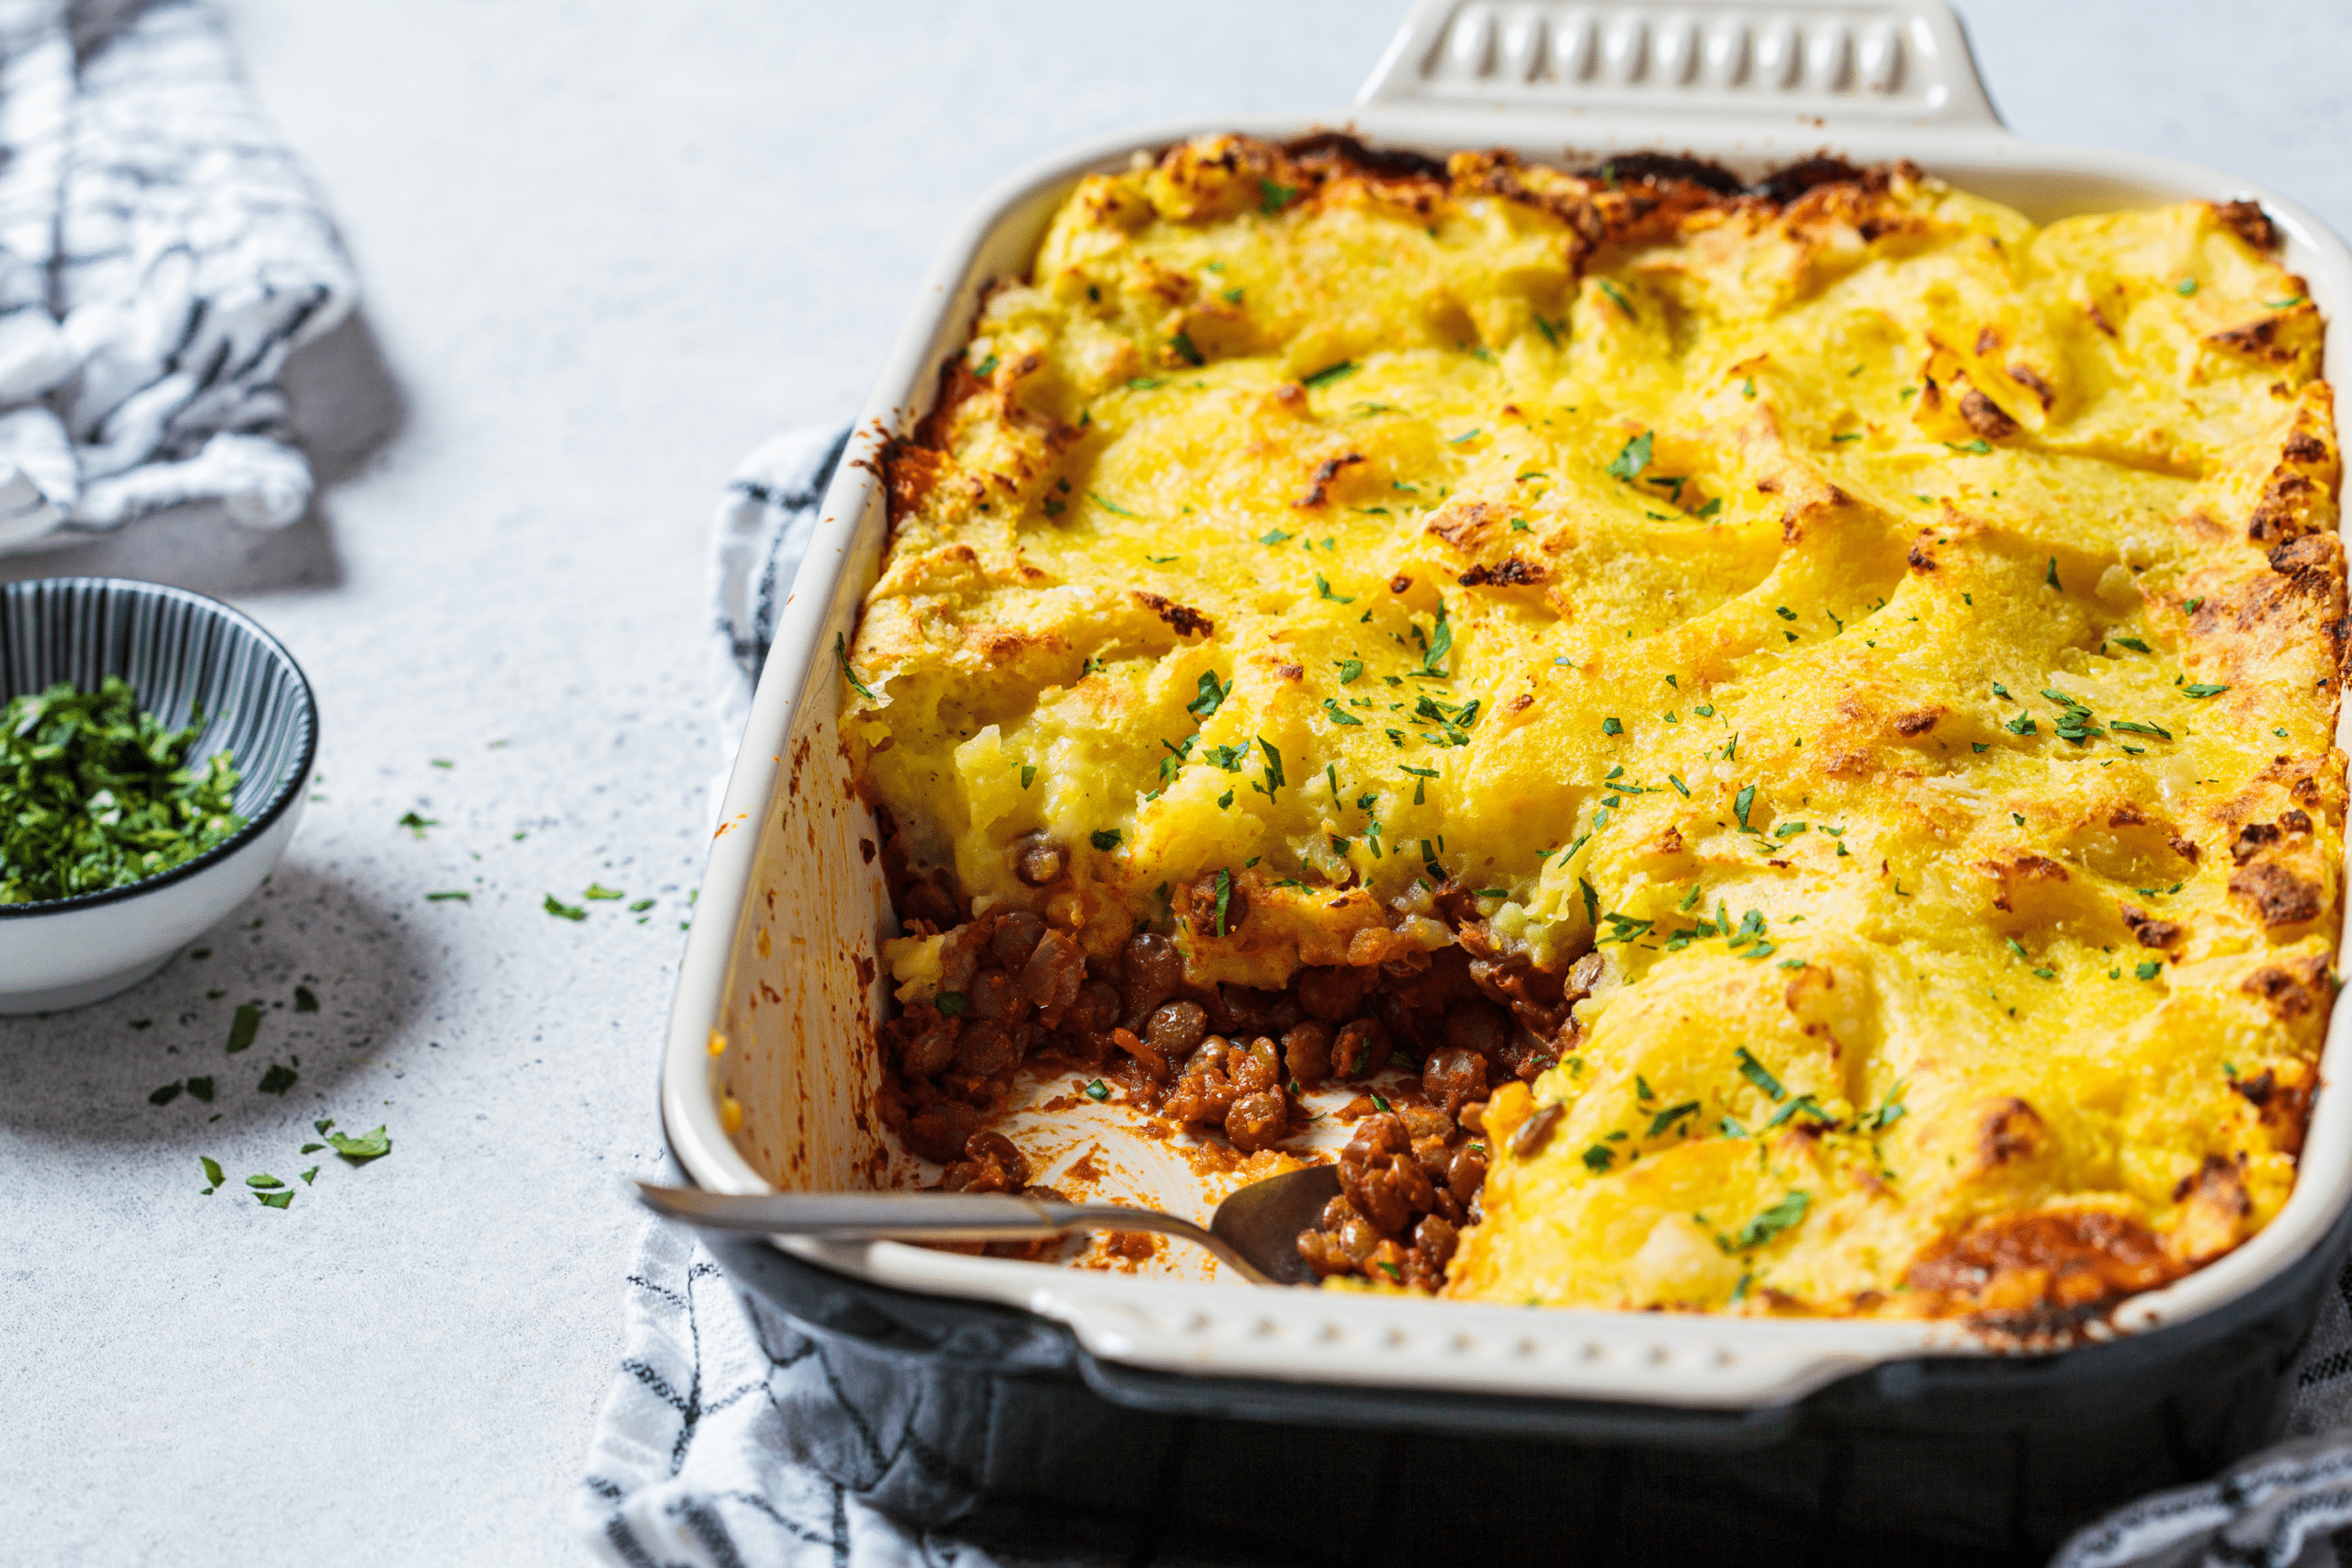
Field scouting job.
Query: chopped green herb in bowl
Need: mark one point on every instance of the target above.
(97, 793)
(156, 752)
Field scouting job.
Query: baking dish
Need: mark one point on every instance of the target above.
(782, 968)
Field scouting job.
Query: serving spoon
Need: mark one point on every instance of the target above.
(1254, 1232)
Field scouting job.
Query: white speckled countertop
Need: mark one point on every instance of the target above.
(606, 249)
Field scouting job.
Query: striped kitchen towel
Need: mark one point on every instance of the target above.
(161, 253)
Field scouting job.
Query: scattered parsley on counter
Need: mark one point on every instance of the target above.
(212, 1173)
(279, 1079)
(243, 1027)
(95, 792)
(452, 897)
(560, 909)
(416, 825)
(598, 890)
(305, 999)
(200, 1088)
(166, 1094)
(363, 1148)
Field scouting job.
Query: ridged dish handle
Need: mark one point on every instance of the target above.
(1820, 63)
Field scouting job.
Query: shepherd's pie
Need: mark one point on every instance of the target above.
(1786, 732)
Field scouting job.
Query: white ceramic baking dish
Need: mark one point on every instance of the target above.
(782, 962)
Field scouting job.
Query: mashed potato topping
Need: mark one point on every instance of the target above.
(1852, 672)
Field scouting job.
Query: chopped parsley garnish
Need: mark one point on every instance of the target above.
(1339, 715)
(1323, 591)
(2134, 727)
(1028, 774)
(1144, 383)
(1273, 198)
(2133, 643)
(1665, 1120)
(951, 1004)
(1275, 780)
(1741, 802)
(1610, 726)
(1111, 506)
(2199, 688)
(1183, 344)
(1789, 1211)
(1441, 644)
(95, 792)
(849, 672)
(986, 368)
(1632, 458)
(1623, 928)
(1599, 1157)
(1224, 896)
(1615, 298)
(1329, 373)
(1097, 1092)
(2049, 577)
(2020, 725)
(1211, 697)
(1756, 1073)
(2184, 287)
(1104, 838)
(1350, 671)
(1273, 536)
(2148, 971)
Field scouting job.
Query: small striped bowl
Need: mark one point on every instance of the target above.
(181, 652)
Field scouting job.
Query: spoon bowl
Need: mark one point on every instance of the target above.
(1254, 1232)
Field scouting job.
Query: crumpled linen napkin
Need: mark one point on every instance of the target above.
(727, 1437)
(161, 253)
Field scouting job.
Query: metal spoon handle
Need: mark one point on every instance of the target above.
(923, 1216)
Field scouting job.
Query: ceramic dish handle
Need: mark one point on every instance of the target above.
(1818, 63)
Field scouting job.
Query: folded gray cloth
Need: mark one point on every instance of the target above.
(161, 253)
(728, 1439)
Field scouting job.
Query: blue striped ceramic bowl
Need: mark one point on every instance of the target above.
(182, 653)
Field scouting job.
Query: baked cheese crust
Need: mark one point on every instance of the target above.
(1901, 642)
